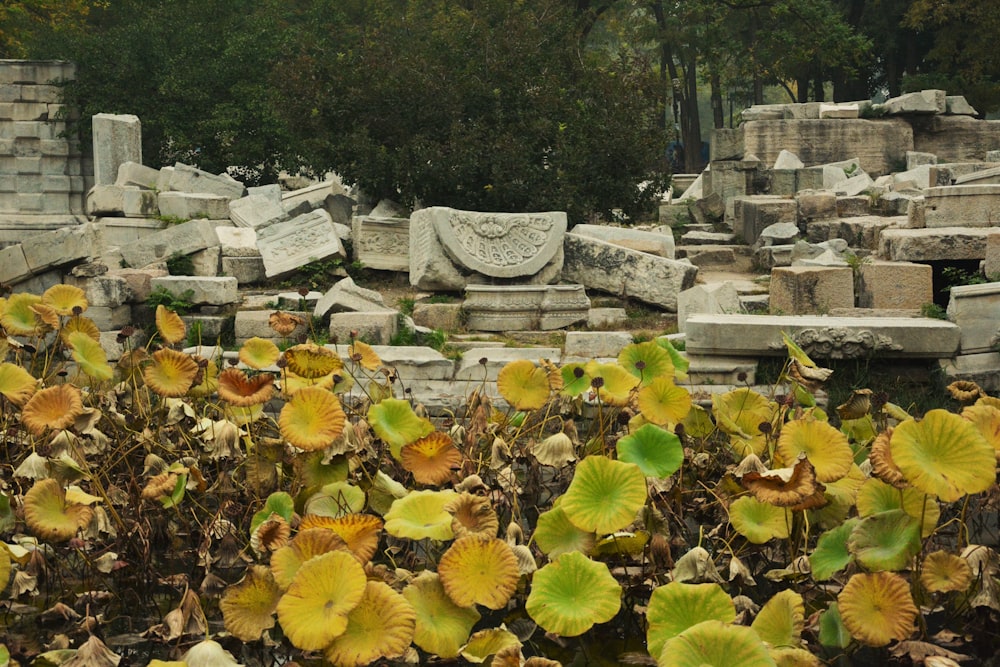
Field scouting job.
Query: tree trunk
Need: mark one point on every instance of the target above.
(692, 127)
(717, 116)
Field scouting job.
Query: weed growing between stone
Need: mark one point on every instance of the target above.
(297, 505)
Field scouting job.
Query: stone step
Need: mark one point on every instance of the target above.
(708, 238)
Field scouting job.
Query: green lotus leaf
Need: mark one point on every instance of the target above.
(279, 503)
(604, 495)
(663, 402)
(757, 521)
(575, 379)
(831, 555)
(797, 353)
(573, 593)
(555, 534)
(698, 423)
(876, 496)
(885, 541)
(943, 455)
(397, 424)
(681, 364)
(657, 452)
(16, 315)
(421, 514)
(781, 619)
(314, 473)
(716, 644)
(646, 361)
(831, 628)
(442, 626)
(336, 499)
(676, 607)
(840, 496)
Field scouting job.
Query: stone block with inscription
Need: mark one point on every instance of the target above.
(524, 307)
(310, 237)
(382, 243)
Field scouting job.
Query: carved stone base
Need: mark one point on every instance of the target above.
(382, 243)
(524, 308)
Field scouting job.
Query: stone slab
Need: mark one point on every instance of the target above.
(922, 245)
(921, 102)
(445, 316)
(237, 242)
(382, 243)
(955, 138)
(755, 213)
(374, 328)
(185, 178)
(654, 243)
(204, 290)
(246, 270)
(185, 238)
(310, 237)
(192, 205)
(472, 369)
(976, 309)
(256, 211)
(412, 363)
(962, 206)
(606, 318)
(110, 318)
(624, 272)
(127, 201)
(524, 307)
(13, 265)
(139, 175)
(117, 139)
(810, 290)
(254, 323)
(347, 296)
(140, 281)
(59, 247)
(595, 344)
(894, 285)
(859, 232)
(105, 290)
(822, 337)
(983, 369)
(711, 298)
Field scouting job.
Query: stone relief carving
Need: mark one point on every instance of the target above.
(840, 342)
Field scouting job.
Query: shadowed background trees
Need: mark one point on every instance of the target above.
(488, 104)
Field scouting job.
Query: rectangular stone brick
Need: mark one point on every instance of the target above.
(810, 290)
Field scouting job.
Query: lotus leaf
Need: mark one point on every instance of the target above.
(575, 379)
(612, 383)
(740, 413)
(662, 402)
(248, 606)
(886, 541)
(171, 374)
(647, 361)
(698, 423)
(90, 356)
(312, 361)
(279, 503)
(793, 657)
(311, 419)
(825, 446)
(170, 325)
(883, 467)
(941, 572)
(831, 628)
(209, 382)
(272, 534)
(64, 299)
(987, 420)
(284, 324)
(876, 496)
(313, 472)
(309, 542)
(759, 522)
(474, 515)
(364, 355)
(785, 487)
(360, 532)
(54, 407)
(421, 514)
(479, 570)
(841, 495)
(556, 450)
(604, 495)
(380, 626)
(555, 534)
(397, 424)
(49, 516)
(313, 611)
(431, 459)
(715, 644)
(242, 391)
(17, 317)
(336, 499)
(259, 353)
(573, 593)
(208, 653)
(657, 452)
(441, 625)
(484, 643)
(780, 621)
(5, 567)
(622, 544)
(831, 555)
(943, 455)
(877, 608)
(679, 361)
(16, 384)
(675, 607)
(524, 385)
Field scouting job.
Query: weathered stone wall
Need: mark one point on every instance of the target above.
(955, 138)
(42, 181)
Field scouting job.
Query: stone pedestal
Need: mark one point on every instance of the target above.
(524, 307)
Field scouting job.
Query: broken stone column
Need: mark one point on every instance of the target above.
(117, 139)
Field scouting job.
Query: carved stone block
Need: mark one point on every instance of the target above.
(382, 243)
(524, 307)
(310, 237)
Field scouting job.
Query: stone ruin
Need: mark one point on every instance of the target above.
(851, 216)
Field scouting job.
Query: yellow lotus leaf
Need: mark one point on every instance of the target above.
(759, 522)
(876, 496)
(965, 391)
(442, 626)
(47, 315)
(170, 325)
(309, 542)
(5, 567)
(271, 534)
(80, 323)
(492, 641)
(17, 317)
(171, 374)
(785, 487)
(90, 356)
(259, 353)
(612, 383)
(242, 391)
(312, 361)
(647, 361)
(248, 606)
(604, 495)
(877, 608)
(209, 382)
(479, 570)
(883, 466)
(54, 407)
(524, 385)
(432, 459)
(65, 299)
(337, 382)
(474, 515)
(16, 384)
(360, 532)
(284, 324)
(365, 355)
(716, 644)
(781, 620)
(825, 446)
(421, 514)
(572, 594)
(944, 455)
(397, 424)
(380, 626)
(741, 411)
(663, 402)
(243, 416)
(49, 517)
(987, 420)
(841, 496)
(675, 607)
(942, 572)
(311, 419)
(313, 611)
(857, 405)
